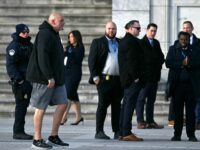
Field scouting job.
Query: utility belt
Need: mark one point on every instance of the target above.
(109, 77)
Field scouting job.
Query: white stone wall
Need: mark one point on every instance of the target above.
(167, 14)
(126, 10)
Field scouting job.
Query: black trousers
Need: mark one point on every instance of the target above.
(184, 95)
(128, 106)
(110, 93)
(171, 115)
(22, 95)
(146, 96)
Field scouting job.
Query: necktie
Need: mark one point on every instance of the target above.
(113, 45)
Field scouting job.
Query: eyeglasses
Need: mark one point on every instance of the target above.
(138, 28)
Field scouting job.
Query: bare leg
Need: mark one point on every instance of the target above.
(64, 118)
(77, 110)
(38, 119)
(60, 109)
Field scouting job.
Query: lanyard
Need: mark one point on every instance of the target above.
(183, 54)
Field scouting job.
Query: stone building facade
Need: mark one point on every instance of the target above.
(167, 14)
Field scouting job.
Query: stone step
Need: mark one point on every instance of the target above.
(84, 65)
(72, 18)
(4, 76)
(84, 85)
(85, 68)
(37, 9)
(85, 110)
(89, 2)
(5, 44)
(88, 107)
(86, 94)
(85, 29)
(87, 37)
(9, 112)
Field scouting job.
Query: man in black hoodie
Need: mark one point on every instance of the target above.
(46, 71)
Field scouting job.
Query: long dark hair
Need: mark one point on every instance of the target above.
(77, 35)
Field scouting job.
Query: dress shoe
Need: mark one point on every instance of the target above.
(154, 125)
(192, 139)
(22, 136)
(77, 122)
(176, 138)
(132, 137)
(141, 125)
(116, 135)
(62, 123)
(171, 123)
(101, 135)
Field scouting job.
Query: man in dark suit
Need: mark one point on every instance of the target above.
(195, 42)
(130, 67)
(153, 60)
(104, 73)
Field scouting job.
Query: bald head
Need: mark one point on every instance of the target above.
(56, 20)
(111, 29)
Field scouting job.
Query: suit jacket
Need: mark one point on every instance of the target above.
(153, 60)
(97, 57)
(130, 58)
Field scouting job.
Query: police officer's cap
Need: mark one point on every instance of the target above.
(21, 28)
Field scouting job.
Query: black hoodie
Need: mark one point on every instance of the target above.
(47, 58)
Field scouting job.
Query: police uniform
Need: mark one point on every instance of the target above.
(17, 57)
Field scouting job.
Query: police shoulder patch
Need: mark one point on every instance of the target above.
(11, 52)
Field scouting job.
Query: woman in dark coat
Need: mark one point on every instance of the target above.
(73, 63)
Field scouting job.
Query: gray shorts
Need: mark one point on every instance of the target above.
(42, 96)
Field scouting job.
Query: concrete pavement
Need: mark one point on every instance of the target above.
(81, 137)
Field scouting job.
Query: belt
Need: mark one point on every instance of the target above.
(109, 77)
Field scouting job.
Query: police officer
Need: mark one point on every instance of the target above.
(17, 57)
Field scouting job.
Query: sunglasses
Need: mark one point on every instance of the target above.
(138, 28)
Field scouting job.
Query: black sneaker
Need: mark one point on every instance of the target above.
(56, 141)
(40, 144)
(22, 136)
